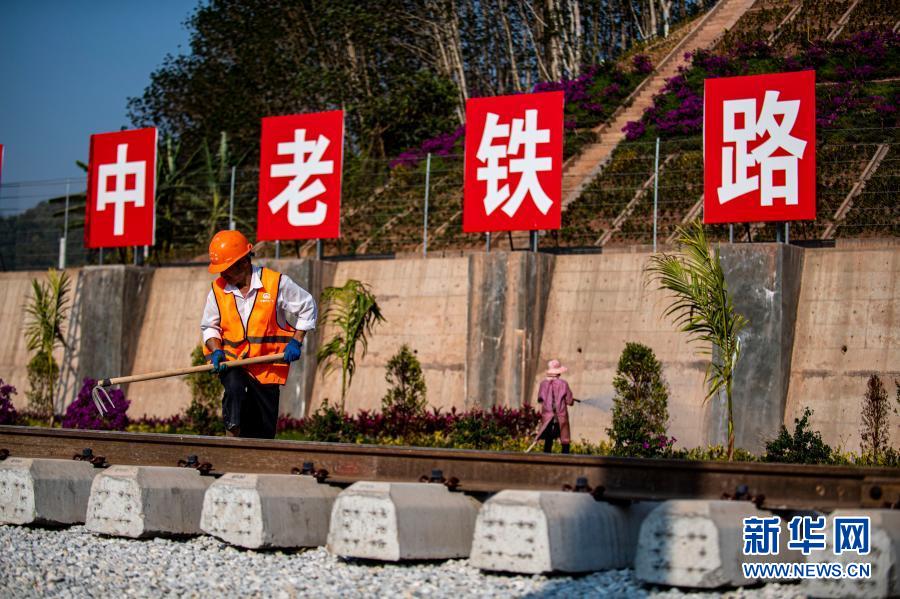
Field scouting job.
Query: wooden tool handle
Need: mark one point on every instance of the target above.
(161, 374)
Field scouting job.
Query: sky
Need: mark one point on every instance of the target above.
(67, 69)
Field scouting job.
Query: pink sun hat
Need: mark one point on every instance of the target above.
(554, 368)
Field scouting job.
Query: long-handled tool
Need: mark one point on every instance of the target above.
(103, 401)
(538, 436)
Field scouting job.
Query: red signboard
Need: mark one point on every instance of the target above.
(759, 136)
(513, 172)
(121, 189)
(300, 176)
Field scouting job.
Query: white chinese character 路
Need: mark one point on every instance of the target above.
(119, 195)
(307, 162)
(740, 127)
(525, 135)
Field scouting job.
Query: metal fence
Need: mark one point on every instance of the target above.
(642, 194)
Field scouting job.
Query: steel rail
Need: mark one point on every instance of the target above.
(774, 486)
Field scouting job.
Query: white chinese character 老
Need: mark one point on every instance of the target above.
(307, 162)
(740, 127)
(523, 135)
(119, 195)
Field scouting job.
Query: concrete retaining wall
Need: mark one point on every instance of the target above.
(848, 327)
(764, 280)
(597, 304)
(484, 326)
(424, 303)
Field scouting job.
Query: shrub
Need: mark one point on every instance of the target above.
(8, 413)
(805, 446)
(82, 413)
(331, 424)
(640, 411)
(641, 64)
(203, 415)
(874, 428)
(407, 386)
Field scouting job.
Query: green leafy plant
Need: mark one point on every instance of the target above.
(640, 406)
(354, 312)
(407, 385)
(206, 393)
(805, 446)
(703, 308)
(874, 429)
(46, 314)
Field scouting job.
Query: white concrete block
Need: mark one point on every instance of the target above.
(142, 501)
(268, 510)
(697, 544)
(530, 532)
(399, 521)
(39, 491)
(884, 558)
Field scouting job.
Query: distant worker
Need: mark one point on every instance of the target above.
(555, 397)
(252, 311)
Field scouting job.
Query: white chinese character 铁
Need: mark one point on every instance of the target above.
(307, 162)
(742, 126)
(120, 193)
(523, 135)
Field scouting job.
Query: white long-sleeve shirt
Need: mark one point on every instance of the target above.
(295, 307)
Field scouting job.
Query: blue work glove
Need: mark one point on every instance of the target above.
(218, 360)
(292, 351)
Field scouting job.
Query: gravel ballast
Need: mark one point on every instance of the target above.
(73, 562)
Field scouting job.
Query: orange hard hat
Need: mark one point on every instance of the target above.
(226, 248)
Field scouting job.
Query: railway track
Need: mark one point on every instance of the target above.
(773, 486)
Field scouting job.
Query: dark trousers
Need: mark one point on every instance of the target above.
(248, 404)
(552, 433)
(548, 446)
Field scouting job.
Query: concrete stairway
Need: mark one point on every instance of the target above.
(582, 169)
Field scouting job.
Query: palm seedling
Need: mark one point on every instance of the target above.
(354, 312)
(46, 312)
(703, 308)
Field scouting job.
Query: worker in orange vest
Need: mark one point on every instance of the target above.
(252, 311)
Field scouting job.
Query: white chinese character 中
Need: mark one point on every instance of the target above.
(522, 135)
(120, 194)
(761, 535)
(307, 162)
(737, 160)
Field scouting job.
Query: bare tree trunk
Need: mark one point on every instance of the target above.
(514, 70)
(531, 38)
(666, 8)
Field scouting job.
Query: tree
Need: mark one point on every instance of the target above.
(640, 406)
(407, 386)
(703, 308)
(874, 428)
(46, 314)
(353, 311)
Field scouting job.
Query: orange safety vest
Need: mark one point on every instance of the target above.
(263, 335)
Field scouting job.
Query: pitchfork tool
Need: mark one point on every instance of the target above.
(104, 402)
